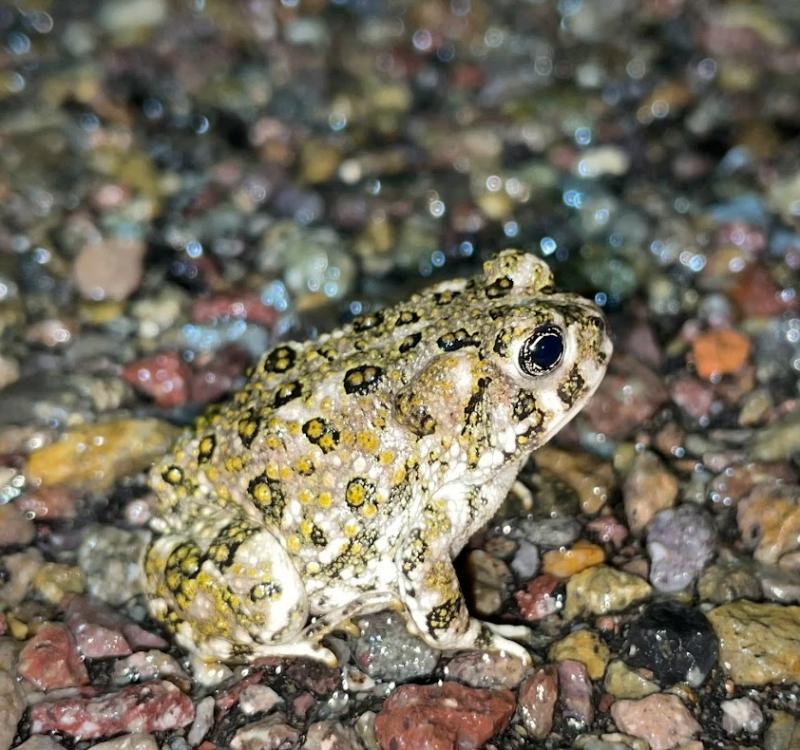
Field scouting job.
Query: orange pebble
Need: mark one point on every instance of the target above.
(720, 352)
(564, 563)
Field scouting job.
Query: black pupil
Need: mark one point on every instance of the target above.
(542, 352)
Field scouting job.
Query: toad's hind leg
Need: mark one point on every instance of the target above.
(228, 591)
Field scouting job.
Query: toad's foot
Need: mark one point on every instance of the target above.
(439, 613)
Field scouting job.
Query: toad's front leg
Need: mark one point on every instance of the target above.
(430, 591)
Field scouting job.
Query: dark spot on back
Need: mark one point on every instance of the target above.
(406, 317)
(172, 475)
(453, 340)
(367, 322)
(286, 393)
(205, 448)
(409, 342)
(362, 379)
(446, 297)
(248, 428)
(499, 287)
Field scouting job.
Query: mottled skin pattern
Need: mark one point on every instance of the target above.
(350, 470)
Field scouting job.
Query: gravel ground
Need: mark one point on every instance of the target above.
(185, 183)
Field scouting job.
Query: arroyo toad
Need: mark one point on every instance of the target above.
(349, 471)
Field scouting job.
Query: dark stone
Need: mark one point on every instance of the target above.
(675, 642)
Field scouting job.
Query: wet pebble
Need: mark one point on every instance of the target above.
(102, 632)
(122, 18)
(756, 294)
(246, 305)
(607, 530)
(272, 732)
(783, 732)
(525, 562)
(137, 741)
(490, 580)
(537, 701)
(386, 651)
(649, 488)
(258, 698)
(575, 693)
(18, 571)
(149, 665)
(331, 735)
(720, 352)
(37, 742)
(622, 682)
(54, 581)
(680, 542)
(541, 597)
(693, 397)
(314, 261)
(615, 741)
(486, 669)
(601, 590)
(447, 716)
(675, 642)
(741, 715)
(661, 719)
(110, 560)
(151, 707)
(550, 533)
(96, 456)
(779, 584)
(16, 529)
(779, 441)
(109, 270)
(590, 477)
(164, 378)
(50, 660)
(769, 521)
(628, 396)
(759, 643)
(728, 579)
(563, 563)
(315, 676)
(220, 374)
(46, 400)
(12, 706)
(50, 504)
(9, 371)
(203, 721)
(602, 160)
(584, 646)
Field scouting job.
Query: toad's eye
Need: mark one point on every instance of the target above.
(542, 351)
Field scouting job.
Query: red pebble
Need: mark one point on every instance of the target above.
(629, 395)
(537, 701)
(164, 377)
(217, 375)
(757, 295)
(50, 504)
(102, 633)
(246, 304)
(538, 600)
(50, 660)
(608, 530)
(149, 707)
(575, 692)
(449, 716)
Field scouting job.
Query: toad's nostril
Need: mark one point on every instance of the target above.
(598, 323)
